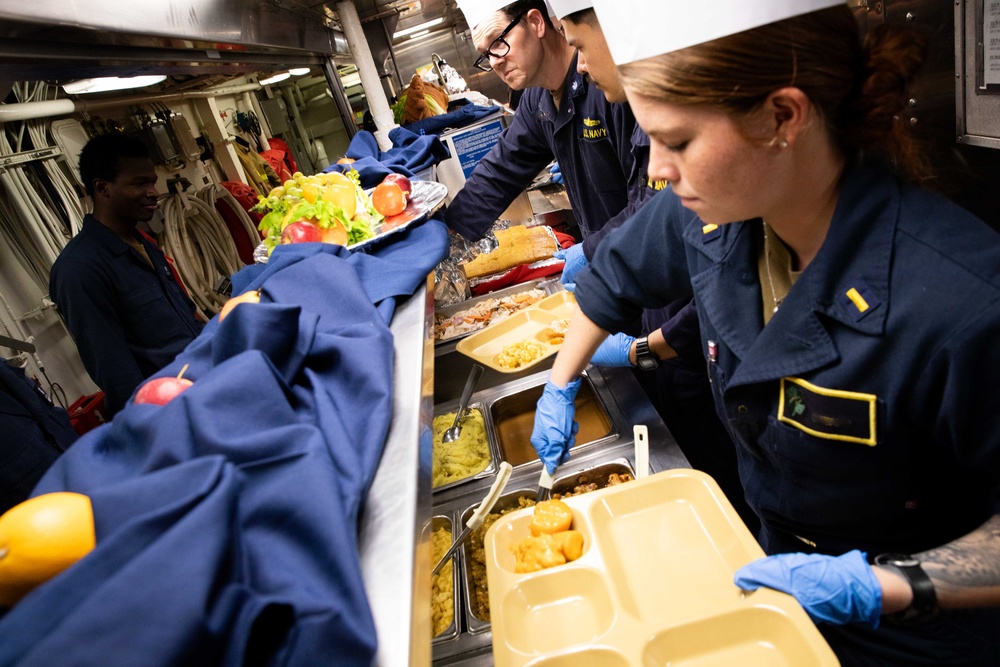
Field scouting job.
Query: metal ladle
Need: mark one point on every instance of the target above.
(451, 435)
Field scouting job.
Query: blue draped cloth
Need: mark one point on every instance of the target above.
(227, 519)
(465, 114)
(410, 153)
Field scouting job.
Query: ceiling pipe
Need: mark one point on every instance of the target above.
(65, 107)
(370, 81)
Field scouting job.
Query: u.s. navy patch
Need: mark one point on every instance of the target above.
(593, 129)
(832, 414)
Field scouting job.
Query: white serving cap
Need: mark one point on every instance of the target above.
(477, 11)
(639, 29)
(563, 8)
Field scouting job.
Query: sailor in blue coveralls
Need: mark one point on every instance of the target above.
(114, 288)
(561, 115)
(677, 386)
(849, 319)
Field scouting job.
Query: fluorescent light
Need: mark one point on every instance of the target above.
(351, 80)
(419, 34)
(298, 71)
(103, 84)
(274, 79)
(418, 28)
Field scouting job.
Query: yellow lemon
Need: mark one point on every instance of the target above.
(310, 192)
(40, 538)
(342, 196)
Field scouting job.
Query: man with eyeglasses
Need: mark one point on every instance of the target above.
(561, 115)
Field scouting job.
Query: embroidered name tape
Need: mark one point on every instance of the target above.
(831, 414)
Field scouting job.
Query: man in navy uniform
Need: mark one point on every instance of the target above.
(560, 116)
(112, 286)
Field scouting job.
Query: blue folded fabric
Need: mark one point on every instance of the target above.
(464, 115)
(410, 153)
(227, 519)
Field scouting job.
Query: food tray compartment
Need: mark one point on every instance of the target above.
(452, 631)
(530, 324)
(513, 417)
(446, 312)
(654, 586)
(562, 304)
(473, 562)
(494, 452)
(564, 486)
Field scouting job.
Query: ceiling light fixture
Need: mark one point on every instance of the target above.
(274, 79)
(419, 34)
(104, 84)
(417, 28)
(298, 71)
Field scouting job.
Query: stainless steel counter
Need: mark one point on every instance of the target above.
(395, 568)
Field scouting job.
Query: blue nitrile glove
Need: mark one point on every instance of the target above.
(614, 351)
(556, 172)
(574, 260)
(555, 429)
(837, 589)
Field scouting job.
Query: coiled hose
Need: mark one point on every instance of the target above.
(195, 235)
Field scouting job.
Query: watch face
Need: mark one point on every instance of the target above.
(646, 364)
(897, 560)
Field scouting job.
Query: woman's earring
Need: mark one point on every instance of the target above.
(783, 144)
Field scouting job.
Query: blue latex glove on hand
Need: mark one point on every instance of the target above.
(556, 172)
(836, 589)
(574, 261)
(614, 351)
(555, 429)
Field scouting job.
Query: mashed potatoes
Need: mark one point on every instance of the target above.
(467, 456)
(442, 591)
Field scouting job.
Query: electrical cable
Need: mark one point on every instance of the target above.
(195, 235)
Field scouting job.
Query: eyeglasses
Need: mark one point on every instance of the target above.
(498, 47)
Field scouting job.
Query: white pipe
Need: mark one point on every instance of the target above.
(65, 107)
(370, 81)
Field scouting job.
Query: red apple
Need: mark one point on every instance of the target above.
(160, 391)
(301, 232)
(402, 181)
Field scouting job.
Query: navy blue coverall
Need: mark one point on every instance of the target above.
(129, 319)
(589, 136)
(864, 414)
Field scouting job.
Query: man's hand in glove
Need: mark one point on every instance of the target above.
(556, 172)
(836, 589)
(574, 261)
(614, 351)
(555, 430)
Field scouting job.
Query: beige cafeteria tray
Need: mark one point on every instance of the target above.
(654, 586)
(528, 324)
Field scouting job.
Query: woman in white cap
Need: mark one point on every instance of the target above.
(849, 319)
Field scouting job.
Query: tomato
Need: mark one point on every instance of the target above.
(342, 195)
(388, 199)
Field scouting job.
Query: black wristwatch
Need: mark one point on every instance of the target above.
(924, 603)
(645, 358)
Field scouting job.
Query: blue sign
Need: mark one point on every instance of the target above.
(472, 145)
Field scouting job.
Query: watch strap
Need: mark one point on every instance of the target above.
(645, 358)
(924, 602)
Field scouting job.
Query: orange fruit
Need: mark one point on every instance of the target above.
(40, 538)
(246, 297)
(343, 196)
(335, 234)
(388, 199)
